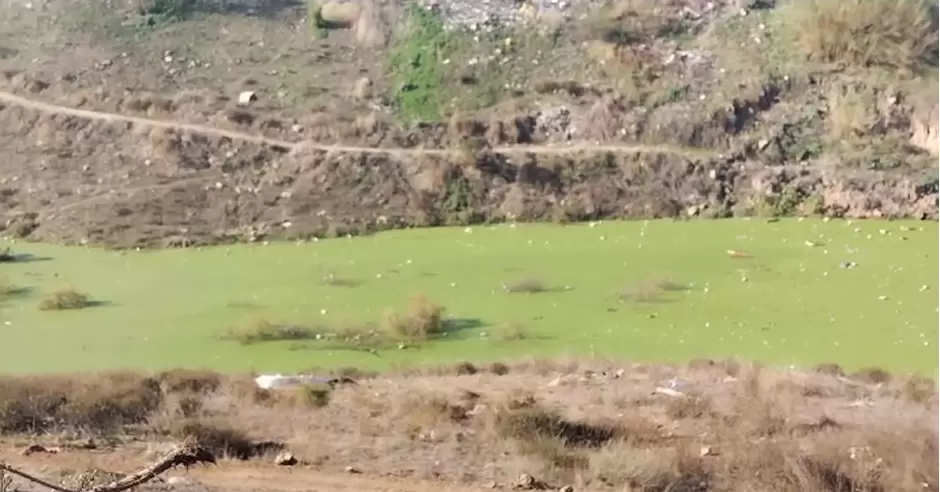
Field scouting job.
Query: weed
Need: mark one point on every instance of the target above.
(527, 285)
(216, 436)
(649, 290)
(64, 300)
(511, 332)
(421, 320)
(189, 381)
(899, 34)
(317, 396)
(417, 63)
(499, 369)
(262, 330)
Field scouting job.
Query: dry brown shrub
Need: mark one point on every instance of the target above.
(604, 120)
(900, 34)
(65, 299)
(263, 330)
(872, 375)
(421, 320)
(189, 381)
(94, 404)
(219, 437)
(689, 407)
(925, 127)
(423, 412)
(499, 369)
(852, 114)
(919, 390)
(829, 369)
(526, 285)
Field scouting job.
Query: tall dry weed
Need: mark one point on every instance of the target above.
(899, 34)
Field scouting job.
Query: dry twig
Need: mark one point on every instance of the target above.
(188, 454)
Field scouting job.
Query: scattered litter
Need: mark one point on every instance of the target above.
(247, 97)
(669, 392)
(278, 381)
(848, 264)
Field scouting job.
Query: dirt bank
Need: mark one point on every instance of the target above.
(98, 177)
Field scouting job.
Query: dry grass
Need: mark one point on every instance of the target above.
(852, 114)
(65, 299)
(740, 427)
(898, 34)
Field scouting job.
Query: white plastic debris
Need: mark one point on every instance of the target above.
(276, 381)
(247, 97)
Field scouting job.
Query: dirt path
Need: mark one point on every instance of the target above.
(230, 475)
(286, 146)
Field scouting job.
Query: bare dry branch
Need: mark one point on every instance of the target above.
(188, 454)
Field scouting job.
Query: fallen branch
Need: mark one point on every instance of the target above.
(188, 454)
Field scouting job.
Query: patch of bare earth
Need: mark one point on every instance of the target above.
(592, 426)
(634, 109)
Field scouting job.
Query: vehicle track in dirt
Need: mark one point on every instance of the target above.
(287, 146)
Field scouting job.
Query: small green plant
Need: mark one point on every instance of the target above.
(64, 300)
(418, 66)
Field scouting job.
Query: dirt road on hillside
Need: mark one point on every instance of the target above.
(287, 146)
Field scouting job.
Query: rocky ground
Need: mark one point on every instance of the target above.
(553, 110)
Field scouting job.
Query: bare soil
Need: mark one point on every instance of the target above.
(127, 181)
(590, 425)
(134, 138)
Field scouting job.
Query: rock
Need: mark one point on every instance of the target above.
(353, 470)
(363, 89)
(177, 481)
(285, 458)
(708, 451)
(528, 482)
(566, 488)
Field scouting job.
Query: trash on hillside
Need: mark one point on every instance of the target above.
(668, 392)
(247, 97)
(279, 381)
